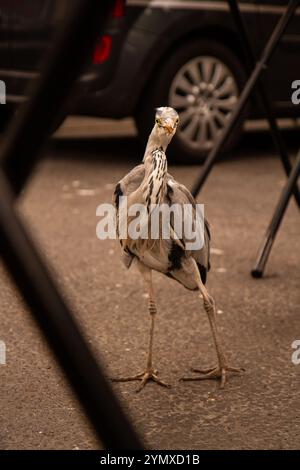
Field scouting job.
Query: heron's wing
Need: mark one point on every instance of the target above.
(125, 187)
(178, 194)
(129, 183)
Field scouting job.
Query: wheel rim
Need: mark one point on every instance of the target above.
(204, 92)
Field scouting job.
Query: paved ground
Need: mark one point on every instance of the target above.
(258, 319)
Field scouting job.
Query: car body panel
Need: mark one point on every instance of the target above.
(156, 28)
(30, 35)
(152, 29)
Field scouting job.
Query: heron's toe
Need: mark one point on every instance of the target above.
(218, 372)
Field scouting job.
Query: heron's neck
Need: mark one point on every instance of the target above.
(155, 142)
(154, 181)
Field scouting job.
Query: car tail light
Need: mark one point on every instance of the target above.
(119, 9)
(102, 50)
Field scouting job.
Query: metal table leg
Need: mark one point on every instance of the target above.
(267, 105)
(270, 235)
(252, 81)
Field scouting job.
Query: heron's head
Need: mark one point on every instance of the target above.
(166, 122)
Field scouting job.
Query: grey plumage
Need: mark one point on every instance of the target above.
(176, 255)
(148, 184)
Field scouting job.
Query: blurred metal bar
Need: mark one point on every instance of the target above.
(270, 235)
(252, 81)
(19, 156)
(71, 51)
(267, 105)
(60, 329)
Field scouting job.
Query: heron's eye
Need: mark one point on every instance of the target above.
(177, 120)
(157, 121)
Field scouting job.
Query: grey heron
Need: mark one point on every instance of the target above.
(150, 183)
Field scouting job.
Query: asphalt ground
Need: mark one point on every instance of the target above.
(258, 319)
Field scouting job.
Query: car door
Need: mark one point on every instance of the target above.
(32, 27)
(32, 32)
(284, 66)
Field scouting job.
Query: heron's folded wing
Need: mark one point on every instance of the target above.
(129, 183)
(178, 194)
(125, 187)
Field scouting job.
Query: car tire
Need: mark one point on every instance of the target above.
(164, 90)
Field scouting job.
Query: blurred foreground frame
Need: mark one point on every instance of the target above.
(21, 150)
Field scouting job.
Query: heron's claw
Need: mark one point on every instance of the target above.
(144, 377)
(218, 372)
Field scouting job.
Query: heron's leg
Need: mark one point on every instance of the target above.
(222, 368)
(150, 373)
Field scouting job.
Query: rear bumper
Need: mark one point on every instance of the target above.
(101, 104)
(95, 93)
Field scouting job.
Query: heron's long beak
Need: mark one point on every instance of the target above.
(169, 129)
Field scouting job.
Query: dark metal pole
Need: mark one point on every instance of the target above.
(20, 153)
(60, 329)
(250, 63)
(259, 68)
(270, 235)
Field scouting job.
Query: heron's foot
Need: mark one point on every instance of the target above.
(217, 372)
(143, 377)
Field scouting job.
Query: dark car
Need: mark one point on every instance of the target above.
(27, 32)
(182, 53)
